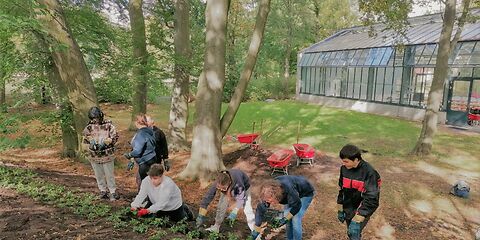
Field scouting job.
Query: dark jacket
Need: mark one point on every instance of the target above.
(161, 146)
(240, 184)
(294, 188)
(143, 145)
(359, 190)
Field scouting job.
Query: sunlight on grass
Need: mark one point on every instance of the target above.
(327, 129)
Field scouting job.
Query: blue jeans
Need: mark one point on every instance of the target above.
(294, 226)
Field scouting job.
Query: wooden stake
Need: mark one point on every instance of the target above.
(298, 131)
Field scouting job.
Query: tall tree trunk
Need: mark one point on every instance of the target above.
(69, 136)
(3, 99)
(179, 109)
(137, 24)
(250, 61)
(429, 129)
(70, 64)
(206, 156)
(288, 47)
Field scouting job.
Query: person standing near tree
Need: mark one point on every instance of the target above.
(99, 138)
(232, 184)
(359, 193)
(143, 149)
(161, 146)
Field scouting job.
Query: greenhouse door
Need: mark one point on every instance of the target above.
(464, 94)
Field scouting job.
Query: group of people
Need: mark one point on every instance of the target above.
(159, 196)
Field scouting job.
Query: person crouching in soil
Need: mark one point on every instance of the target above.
(359, 191)
(164, 197)
(295, 193)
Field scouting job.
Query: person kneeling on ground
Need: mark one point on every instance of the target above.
(164, 197)
(234, 184)
(359, 191)
(295, 193)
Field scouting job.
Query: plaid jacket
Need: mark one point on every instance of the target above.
(98, 133)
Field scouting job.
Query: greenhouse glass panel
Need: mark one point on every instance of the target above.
(378, 58)
(399, 57)
(355, 57)
(350, 80)
(364, 84)
(476, 72)
(312, 59)
(418, 52)
(427, 54)
(387, 56)
(379, 82)
(357, 83)
(303, 78)
(304, 59)
(464, 53)
(307, 83)
(363, 57)
(372, 54)
(475, 59)
(387, 89)
(465, 72)
(397, 84)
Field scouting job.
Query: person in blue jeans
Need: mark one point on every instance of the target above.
(295, 193)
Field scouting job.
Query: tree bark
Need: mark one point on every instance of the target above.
(429, 128)
(69, 136)
(69, 61)
(250, 61)
(137, 24)
(206, 156)
(179, 108)
(288, 47)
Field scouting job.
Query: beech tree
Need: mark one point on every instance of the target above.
(206, 156)
(76, 82)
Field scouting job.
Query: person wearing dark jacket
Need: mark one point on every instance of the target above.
(161, 146)
(295, 193)
(234, 184)
(143, 148)
(359, 193)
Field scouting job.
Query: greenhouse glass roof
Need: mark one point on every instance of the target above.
(422, 30)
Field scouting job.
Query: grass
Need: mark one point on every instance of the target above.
(328, 129)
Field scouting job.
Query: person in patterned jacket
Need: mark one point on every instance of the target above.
(359, 193)
(99, 138)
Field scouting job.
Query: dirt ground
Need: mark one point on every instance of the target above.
(414, 201)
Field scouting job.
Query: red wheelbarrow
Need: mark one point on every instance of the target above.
(305, 153)
(280, 160)
(249, 138)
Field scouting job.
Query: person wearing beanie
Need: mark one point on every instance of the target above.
(359, 193)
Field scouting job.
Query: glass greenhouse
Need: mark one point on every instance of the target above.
(354, 67)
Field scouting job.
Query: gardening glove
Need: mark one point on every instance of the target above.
(340, 213)
(166, 164)
(93, 145)
(127, 155)
(279, 222)
(107, 141)
(355, 227)
(213, 228)
(255, 234)
(201, 217)
(142, 212)
(130, 165)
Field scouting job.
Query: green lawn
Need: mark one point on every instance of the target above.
(328, 129)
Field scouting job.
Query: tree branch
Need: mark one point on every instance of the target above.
(461, 24)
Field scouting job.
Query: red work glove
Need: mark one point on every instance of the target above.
(142, 212)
